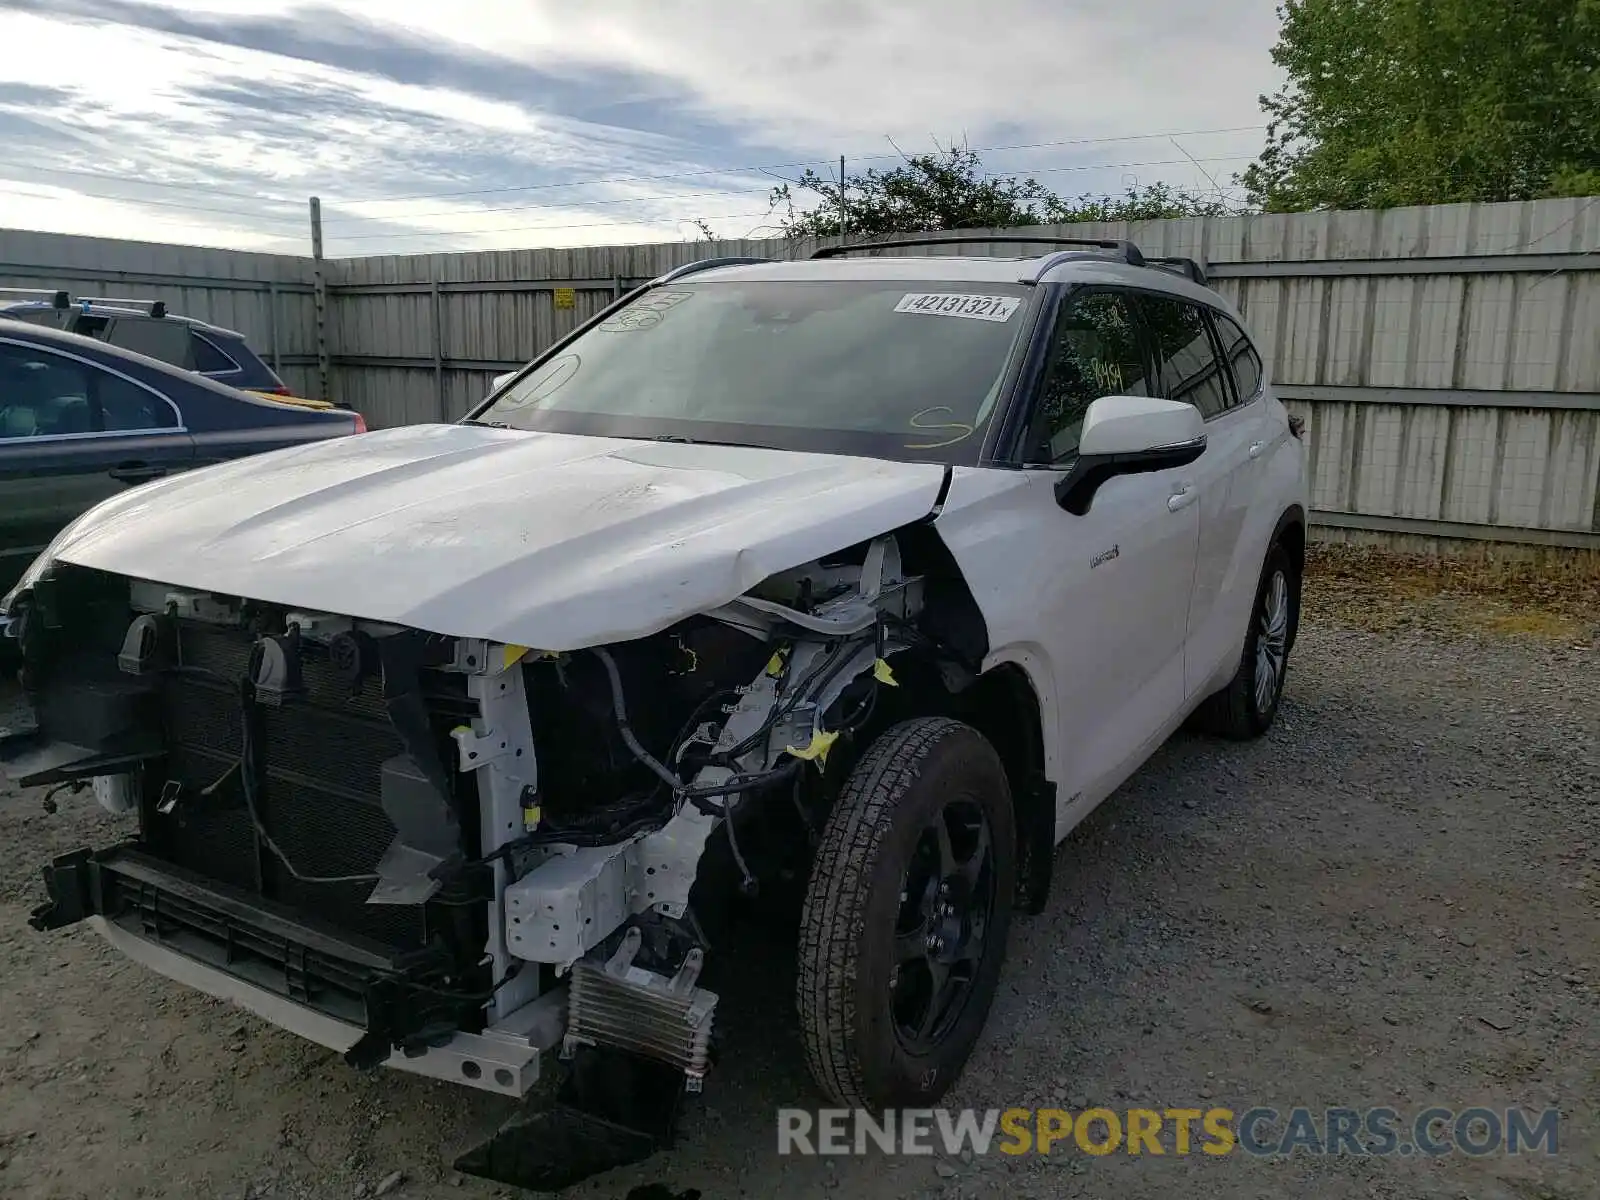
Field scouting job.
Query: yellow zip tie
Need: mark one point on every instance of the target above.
(775, 664)
(882, 673)
(818, 747)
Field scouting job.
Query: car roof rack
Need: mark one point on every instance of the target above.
(1127, 251)
(1183, 266)
(706, 264)
(154, 308)
(58, 297)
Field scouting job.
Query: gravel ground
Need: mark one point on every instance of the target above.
(1391, 900)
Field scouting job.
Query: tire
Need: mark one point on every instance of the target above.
(1246, 707)
(878, 930)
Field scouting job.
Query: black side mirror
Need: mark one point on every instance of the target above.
(1075, 490)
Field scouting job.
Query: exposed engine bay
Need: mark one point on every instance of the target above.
(460, 853)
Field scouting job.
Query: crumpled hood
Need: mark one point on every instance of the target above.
(536, 539)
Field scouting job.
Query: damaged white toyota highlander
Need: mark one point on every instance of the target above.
(448, 743)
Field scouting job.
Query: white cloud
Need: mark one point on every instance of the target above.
(676, 87)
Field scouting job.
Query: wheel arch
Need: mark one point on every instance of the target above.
(1290, 533)
(1004, 706)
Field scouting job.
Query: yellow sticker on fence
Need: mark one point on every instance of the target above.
(566, 298)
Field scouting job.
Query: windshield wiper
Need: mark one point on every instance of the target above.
(490, 424)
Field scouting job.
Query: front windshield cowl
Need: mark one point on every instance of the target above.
(880, 368)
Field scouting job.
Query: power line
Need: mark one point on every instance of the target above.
(585, 204)
(472, 212)
(790, 165)
(162, 183)
(445, 233)
(212, 189)
(142, 202)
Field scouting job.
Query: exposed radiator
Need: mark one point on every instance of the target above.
(319, 798)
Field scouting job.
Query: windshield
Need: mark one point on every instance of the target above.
(906, 370)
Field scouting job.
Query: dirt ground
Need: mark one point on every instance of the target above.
(1390, 900)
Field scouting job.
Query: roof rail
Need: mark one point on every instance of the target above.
(1183, 266)
(58, 297)
(1127, 250)
(156, 308)
(705, 264)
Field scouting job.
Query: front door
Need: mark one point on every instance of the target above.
(72, 434)
(1098, 602)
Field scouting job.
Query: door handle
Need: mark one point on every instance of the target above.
(1256, 448)
(136, 472)
(1182, 498)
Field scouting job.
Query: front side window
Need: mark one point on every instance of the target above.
(1095, 351)
(47, 395)
(888, 369)
(1189, 370)
(1241, 355)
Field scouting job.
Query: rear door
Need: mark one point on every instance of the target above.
(1193, 370)
(72, 433)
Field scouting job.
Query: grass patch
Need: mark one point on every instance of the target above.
(1371, 588)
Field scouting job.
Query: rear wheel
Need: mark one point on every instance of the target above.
(1246, 707)
(905, 922)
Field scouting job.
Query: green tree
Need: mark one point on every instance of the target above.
(950, 190)
(1393, 102)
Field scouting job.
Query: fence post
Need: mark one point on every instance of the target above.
(272, 326)
(319, 285)
(438, 343)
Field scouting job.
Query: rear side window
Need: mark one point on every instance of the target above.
(1187, 360)
(209, 358)
(1241, 355)
(1095, 351)
(125, 407)
(166, 341)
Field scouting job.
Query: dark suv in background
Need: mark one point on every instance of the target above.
(147, 327)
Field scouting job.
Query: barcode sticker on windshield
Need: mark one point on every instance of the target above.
(959, 304)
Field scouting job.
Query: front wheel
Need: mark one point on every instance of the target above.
(1246, 707)
(906, 916)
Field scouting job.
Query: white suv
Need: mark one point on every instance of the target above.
(876, 573)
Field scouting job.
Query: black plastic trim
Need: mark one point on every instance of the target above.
(1127, 250)
(1076, 489)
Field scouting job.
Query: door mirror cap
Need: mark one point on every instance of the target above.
(501, 380)
(1137, 424)
(1129, 435)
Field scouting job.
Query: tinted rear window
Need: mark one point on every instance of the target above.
(209, 359)
(1188, 365)
(1242, 355)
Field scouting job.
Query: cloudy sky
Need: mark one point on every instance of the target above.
(454, 124)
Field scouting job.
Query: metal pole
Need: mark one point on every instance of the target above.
(319, 286)
(844, 213)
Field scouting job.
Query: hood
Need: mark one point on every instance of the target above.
(535, 539)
